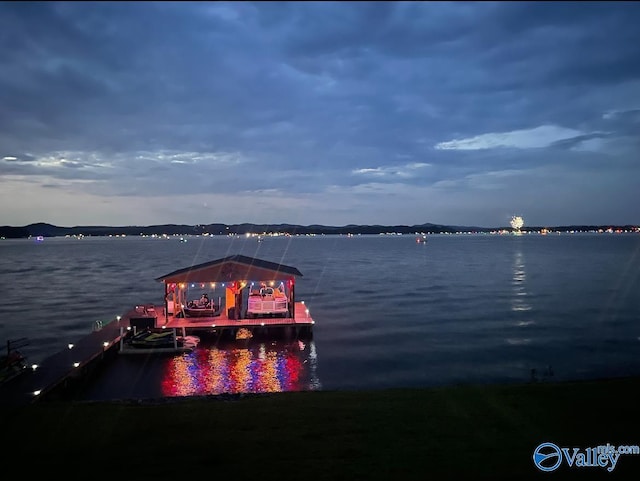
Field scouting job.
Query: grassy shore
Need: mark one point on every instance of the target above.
(466, 432)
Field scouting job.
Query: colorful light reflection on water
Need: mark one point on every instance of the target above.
(264, 367)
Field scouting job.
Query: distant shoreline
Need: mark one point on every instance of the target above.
(49, 230)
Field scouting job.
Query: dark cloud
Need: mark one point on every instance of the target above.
(313, 98)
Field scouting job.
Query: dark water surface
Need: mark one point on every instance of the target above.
(389, 312)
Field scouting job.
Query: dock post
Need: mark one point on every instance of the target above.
(121, 337)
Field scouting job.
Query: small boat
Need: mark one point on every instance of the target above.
(164, 339)
(193, 309)
(421, 239)
(150, 338)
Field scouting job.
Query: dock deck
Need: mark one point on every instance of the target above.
(302, 318)
(56, 370)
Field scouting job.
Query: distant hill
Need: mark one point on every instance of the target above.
(49, 230)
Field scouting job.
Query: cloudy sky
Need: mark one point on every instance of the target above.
(319, 113)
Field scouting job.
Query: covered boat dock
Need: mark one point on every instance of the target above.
(243, 292)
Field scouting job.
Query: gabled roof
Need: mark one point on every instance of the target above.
(232, 268)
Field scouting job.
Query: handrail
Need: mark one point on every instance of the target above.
(16, 344)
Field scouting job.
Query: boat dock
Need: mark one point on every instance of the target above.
(263, 315)
(67, 367)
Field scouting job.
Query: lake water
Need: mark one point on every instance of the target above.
(389, 312)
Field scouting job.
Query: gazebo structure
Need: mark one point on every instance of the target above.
(241, 277)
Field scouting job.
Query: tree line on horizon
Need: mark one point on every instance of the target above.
(49, 230)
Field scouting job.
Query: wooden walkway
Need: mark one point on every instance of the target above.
(77, 360)
(65, 365)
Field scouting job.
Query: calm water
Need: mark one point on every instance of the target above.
(389, 312)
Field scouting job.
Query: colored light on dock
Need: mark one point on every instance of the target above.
(105, 344)
(213, 325)
(262, 323)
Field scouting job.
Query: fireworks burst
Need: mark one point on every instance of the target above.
(516, 223)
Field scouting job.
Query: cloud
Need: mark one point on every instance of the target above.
(534, 138)
(624, 114)
(299, 100)
(403, 171)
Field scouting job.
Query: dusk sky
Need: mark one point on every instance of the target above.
(319, 113)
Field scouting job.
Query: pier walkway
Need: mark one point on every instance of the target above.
(67, 364)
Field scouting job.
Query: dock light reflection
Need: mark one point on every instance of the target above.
(256, 369)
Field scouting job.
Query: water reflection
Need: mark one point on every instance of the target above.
(519, 302)
(258, 368)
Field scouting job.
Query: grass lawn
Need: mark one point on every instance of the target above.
(465, 432)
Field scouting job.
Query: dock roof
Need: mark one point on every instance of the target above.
(232, 268)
